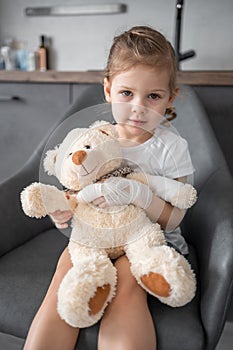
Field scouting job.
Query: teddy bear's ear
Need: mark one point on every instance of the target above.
(50, 161)
(110, 130)
(105, 127)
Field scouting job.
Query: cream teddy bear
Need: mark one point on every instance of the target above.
(86, 156)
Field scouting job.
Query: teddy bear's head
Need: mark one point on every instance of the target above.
(84, 156)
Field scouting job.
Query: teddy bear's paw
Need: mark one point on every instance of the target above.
(85, 292)
(32, 202)
(97, 302)
(162, 270)
(157, 284)
(185, 198)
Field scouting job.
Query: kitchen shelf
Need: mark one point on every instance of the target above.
(222, 78)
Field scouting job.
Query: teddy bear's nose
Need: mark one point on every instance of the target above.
(78, 157)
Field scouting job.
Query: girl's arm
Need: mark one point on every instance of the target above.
(164, 213)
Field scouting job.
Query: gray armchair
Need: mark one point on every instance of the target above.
(29, 248)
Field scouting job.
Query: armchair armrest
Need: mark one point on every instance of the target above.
(211, 233)
(16, 227)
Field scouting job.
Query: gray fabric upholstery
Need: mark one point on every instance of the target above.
(29, 248)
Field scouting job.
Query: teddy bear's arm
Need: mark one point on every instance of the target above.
(38, 200)
(180, 195)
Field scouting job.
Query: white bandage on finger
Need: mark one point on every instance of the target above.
(90, 193)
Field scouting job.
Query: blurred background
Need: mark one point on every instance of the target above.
(82, 42)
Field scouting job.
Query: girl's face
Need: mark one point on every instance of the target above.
(139, 99)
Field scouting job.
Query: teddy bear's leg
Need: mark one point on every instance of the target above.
(87, 287)
(162, 272)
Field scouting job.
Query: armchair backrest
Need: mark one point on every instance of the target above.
(192, 123)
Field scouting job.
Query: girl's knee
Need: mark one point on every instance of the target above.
(127, 286)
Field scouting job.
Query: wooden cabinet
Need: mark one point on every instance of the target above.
(28, 111)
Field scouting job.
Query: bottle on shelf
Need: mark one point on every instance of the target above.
(8, 54)
(42, 55)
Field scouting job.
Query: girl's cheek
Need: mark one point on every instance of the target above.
(118, 111)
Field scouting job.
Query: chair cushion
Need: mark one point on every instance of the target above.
(25, 276)
(9, 342)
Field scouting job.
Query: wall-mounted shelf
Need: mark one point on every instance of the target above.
(78, 10)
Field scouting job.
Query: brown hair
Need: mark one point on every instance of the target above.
(141, 45)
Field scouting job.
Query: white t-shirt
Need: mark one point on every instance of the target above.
(165, 154)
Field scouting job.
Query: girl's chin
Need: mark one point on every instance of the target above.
(139, 130)
(134, 132)
(140, 135)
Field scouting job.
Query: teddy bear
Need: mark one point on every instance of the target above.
(93, 155)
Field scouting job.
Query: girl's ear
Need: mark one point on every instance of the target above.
(172, 98)
(107, 90)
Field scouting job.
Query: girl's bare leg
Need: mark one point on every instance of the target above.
(127, 323)
(48, 331)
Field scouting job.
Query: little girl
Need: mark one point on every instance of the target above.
(141, 72)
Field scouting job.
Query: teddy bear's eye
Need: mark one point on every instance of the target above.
(70, 154)
(87, 146)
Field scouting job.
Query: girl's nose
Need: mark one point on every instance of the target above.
(78, 157)
(138, 109)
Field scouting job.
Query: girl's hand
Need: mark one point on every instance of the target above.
(117, 191)
(61, 218)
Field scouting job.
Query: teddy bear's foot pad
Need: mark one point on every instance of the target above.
(97, 301)
(157, 284)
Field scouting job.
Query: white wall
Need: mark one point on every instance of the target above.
(82, 42)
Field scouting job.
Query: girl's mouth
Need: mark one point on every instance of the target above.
(137, 122)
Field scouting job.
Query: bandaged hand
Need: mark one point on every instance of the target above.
(118, 191)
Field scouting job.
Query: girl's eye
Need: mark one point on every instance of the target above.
(126, 93)
(154, 96)
(87, 146)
